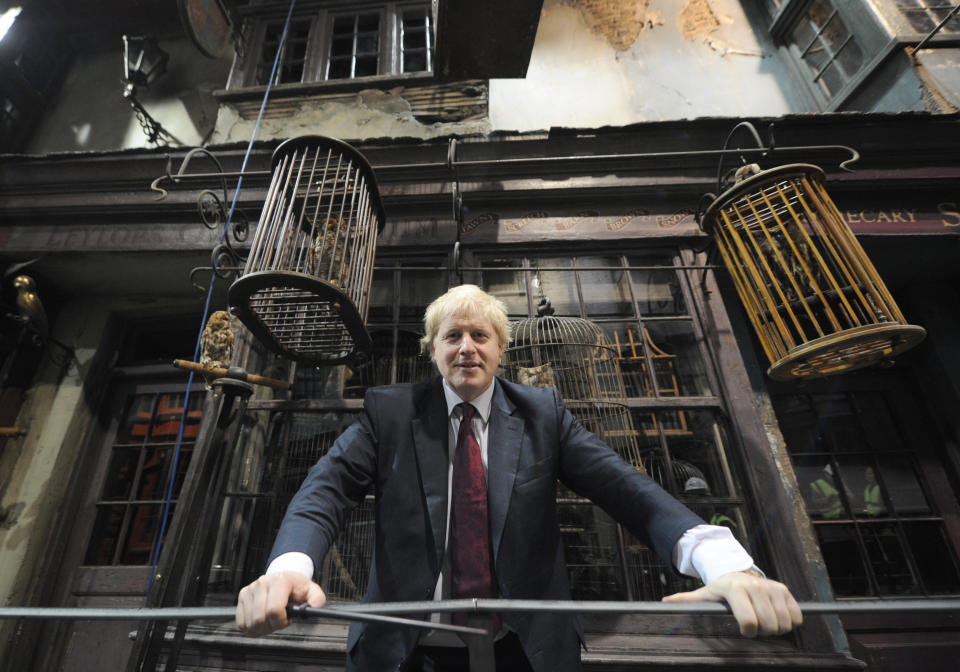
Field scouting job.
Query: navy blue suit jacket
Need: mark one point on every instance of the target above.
(398, 448)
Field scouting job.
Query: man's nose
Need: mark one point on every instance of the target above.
(467, 344)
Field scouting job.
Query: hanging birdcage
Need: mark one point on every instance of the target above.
(814, 298)
(306, 286)
(574, 356)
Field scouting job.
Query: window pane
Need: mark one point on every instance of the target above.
(839, 426)
(558, 286)
(934, 557)
(657, 292)
(103, 541)
(693, 439)
(605, 292)
(625, 339)
(822, 489)
(418, 289)
(842, 558)
(144, 525)
(414, 39)
(887, 559)
(344, 25)
(859, 478)
(591, 546)
(899, 477)
(850, 58)
(166, 426)
(120, 475)
(414, 62)
(136, 419)
(381, 298)
(831, 80)
(367, 44)
(508, 286)
(678, 365)
(153, 477)
(342, 46)
(339, 69)
(366, 66)
(367, 22)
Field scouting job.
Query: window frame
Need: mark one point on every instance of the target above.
(245, 70)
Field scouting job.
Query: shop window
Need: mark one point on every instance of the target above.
(642, 304)
(369, 40)
(864, 467)
(143, 459)
(682, 443)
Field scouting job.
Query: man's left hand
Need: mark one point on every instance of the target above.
(761, 606)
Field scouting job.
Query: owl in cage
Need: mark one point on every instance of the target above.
(537, 376)
(328, 250)
(216, 342)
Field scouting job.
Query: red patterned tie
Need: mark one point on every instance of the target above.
(471, 574)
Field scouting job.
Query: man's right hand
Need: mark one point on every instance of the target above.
(262, 606)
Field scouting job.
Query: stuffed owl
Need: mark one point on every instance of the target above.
(537, 376)
(328, 249)
(216, 342)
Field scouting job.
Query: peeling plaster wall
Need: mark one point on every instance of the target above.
(698, 58)
(370, 114)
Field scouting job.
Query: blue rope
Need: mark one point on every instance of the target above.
(206, 307)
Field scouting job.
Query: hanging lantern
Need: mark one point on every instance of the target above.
(305, 289)
(574, 356)
(814, 298)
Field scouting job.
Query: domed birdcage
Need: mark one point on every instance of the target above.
(816, 302)
(305, 289)
(574, 356)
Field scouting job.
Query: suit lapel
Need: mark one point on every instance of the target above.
(503, 454)
(431, 435)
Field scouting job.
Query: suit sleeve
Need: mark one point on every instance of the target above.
(592, 469)
(333, 487)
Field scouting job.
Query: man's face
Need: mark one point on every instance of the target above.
(467, 352)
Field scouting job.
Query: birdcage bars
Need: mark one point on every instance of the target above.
(815, 300)
(305, 289)
(574, 356)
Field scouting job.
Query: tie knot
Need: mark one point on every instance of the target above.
(468, 410)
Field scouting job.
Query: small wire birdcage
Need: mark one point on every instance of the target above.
(574, 356)
(305, 289)
(815, 300)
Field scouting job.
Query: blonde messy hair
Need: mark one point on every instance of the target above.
(460, 301)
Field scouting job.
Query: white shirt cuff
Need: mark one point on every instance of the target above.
(294, 561)
(707, 552)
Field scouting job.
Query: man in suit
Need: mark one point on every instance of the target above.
(404, 446)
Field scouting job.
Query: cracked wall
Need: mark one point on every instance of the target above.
(613, 63)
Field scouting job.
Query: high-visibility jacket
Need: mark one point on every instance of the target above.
(872, 503)
(826, 499)
(724, 520)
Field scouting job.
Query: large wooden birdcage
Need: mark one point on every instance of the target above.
(574, 356)
(305, 289)
(814, 298)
